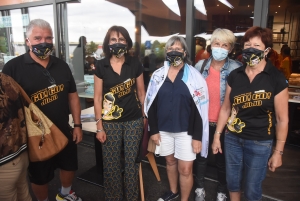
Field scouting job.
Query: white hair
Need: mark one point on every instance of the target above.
(37, 23)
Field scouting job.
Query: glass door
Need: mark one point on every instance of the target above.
(13, 25)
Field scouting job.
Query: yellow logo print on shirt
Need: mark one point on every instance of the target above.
(110, 110)
(235, 124)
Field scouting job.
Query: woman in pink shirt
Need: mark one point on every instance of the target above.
(215, 70)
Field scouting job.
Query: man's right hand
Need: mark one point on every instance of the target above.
(156, 138)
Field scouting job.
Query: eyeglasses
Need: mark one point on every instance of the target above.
(120, 40)
(46, 39)
(48, 75)
(175, 49)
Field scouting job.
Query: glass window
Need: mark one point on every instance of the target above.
(88, 23)
(236, 16)
(285, 26)
(13, 24)
(11, 35)
(149, 25)
(286, 39)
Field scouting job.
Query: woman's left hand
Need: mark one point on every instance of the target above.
(197, 146)
(275, 161)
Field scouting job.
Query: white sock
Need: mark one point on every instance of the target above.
(65, 190)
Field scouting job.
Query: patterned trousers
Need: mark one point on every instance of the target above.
(130, 133)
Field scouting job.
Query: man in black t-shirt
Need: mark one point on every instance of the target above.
(49, 83)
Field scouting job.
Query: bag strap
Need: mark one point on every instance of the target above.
(24, 94)
(203, 65)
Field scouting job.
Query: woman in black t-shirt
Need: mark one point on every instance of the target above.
(255, 105)
(118, 101)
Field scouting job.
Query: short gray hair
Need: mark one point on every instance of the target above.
(181, 40)
(224, 35)
(37, 23)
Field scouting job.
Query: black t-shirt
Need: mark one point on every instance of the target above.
(253, 113)
(120, 98)
(32, 77)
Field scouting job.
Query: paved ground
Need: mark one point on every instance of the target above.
(153, 189)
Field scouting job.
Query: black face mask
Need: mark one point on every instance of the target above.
(118, 49)
(42, 50)
(252, 56)
(175, 58)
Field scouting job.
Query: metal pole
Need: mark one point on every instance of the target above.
(66, 33)
(190, 28)
(261, 10)
(56, 33)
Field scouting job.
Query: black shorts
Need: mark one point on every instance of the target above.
(42, 172)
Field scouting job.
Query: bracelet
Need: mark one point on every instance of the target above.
(281, 140)
(217, 132)
(280, 152)
(99, 130)
(97, 120)
(78, 125)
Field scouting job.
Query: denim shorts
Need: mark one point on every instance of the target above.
(247, 161)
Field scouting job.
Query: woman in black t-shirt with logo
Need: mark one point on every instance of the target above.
(255, 106)
(118, 100)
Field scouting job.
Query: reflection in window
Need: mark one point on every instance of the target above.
(172, 5)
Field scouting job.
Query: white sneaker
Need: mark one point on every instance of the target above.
(70, 197)
(221, 197)
(200, 194)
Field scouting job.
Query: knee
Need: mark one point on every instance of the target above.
(185, 171)
(171, 161)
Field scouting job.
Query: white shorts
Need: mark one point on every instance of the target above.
(178, 143)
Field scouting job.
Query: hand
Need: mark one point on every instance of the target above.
(101, 136)
(197, 146)
(216, 146)
(77, 134)
(156, 138)
(275, 161)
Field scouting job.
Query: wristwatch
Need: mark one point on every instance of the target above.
(78, 125)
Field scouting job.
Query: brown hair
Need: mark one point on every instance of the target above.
(264, 34)
(119, 30)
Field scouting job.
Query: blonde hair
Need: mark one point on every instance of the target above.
(224, 35)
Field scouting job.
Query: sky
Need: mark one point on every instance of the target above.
(90, 18)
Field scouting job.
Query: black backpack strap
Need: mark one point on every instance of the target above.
(203, 65)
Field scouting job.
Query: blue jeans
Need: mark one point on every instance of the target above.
(246, 160)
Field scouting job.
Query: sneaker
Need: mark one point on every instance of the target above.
(200, 194)
(70, 197)
(168, 196)
(221, 197)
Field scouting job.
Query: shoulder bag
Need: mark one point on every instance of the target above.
(44, 140)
